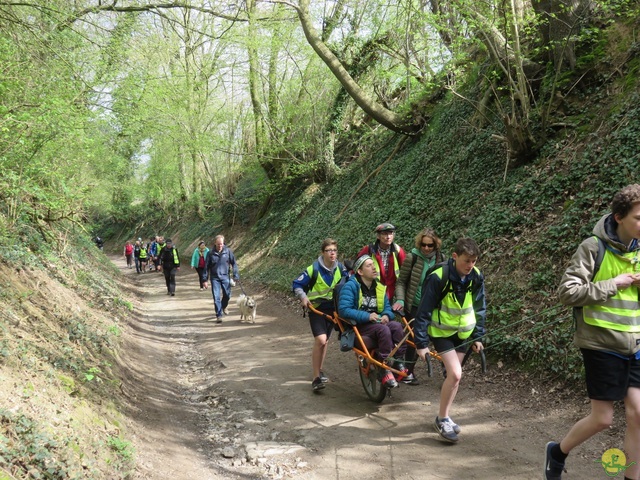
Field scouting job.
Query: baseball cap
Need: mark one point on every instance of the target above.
(385, 227)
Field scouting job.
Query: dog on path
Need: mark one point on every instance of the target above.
(247, 306)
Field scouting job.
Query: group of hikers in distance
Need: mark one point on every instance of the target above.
(216, 266)
(445, 299)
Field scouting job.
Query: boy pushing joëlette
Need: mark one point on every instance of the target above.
(452, 315)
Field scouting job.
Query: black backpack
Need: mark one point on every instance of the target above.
(599, 256)
(602, 248)
(445, 284)
(314, 275)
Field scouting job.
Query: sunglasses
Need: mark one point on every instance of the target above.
(430, 245)
(331, 250)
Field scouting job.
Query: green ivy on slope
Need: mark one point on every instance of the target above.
(452, 179)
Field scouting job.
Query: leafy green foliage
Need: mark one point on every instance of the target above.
(26, 450)
(451, 179)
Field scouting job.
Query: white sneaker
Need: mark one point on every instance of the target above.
(445, 429)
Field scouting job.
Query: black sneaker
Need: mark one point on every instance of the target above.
(317, 384)
(218, 319)
(552, 468)
(445, 429)
(323, 378)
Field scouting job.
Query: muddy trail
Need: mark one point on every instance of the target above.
(234, 401)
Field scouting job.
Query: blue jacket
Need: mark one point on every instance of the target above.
(196, 257)
(432, 294)
(217, 264)
(348, 303)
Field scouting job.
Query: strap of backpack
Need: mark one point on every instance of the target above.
(602, 247)
(313, 279)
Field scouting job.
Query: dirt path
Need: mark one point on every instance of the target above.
(233, 401)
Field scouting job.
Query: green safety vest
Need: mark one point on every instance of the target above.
(143, 253)
(320, 290)
(451, 318)
(381, 293)
(622, 311)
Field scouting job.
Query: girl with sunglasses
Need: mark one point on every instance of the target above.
(408, 292)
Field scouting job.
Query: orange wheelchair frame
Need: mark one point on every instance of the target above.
(369, 367)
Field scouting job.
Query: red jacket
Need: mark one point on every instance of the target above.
(387, 277)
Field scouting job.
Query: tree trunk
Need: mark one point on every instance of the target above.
(380, 114)
(562, 23)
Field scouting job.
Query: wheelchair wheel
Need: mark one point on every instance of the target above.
(370, 380)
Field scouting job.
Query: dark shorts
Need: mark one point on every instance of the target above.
(608, 376)
(444, 344)
(320, 325)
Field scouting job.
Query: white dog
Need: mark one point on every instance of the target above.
(247, 306)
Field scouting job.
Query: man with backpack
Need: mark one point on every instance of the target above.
(169, 264)
(315, 287)
(602, 283)
(388, 256)
(452, 315)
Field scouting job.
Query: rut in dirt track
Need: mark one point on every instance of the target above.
(234, 401)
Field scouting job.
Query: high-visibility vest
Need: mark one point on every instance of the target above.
(396, 265)
(622, 311)
(381, 294)
(176, 260)
(143, 253)
(320, 290)
(452, 318)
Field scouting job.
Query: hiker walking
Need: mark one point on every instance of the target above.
(169, 265)
(220, 260)
(136, 255)
(423, 256)
(452, 314)
(198, 262)
(602, 283)
(314, 287)
(128, 253)
(387, 255)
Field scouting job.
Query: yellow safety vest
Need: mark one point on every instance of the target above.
(176, 260)
(451, 317)
(622, 311)
(396, 266)
(381, 293)
(143, 253)
(320, 290)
